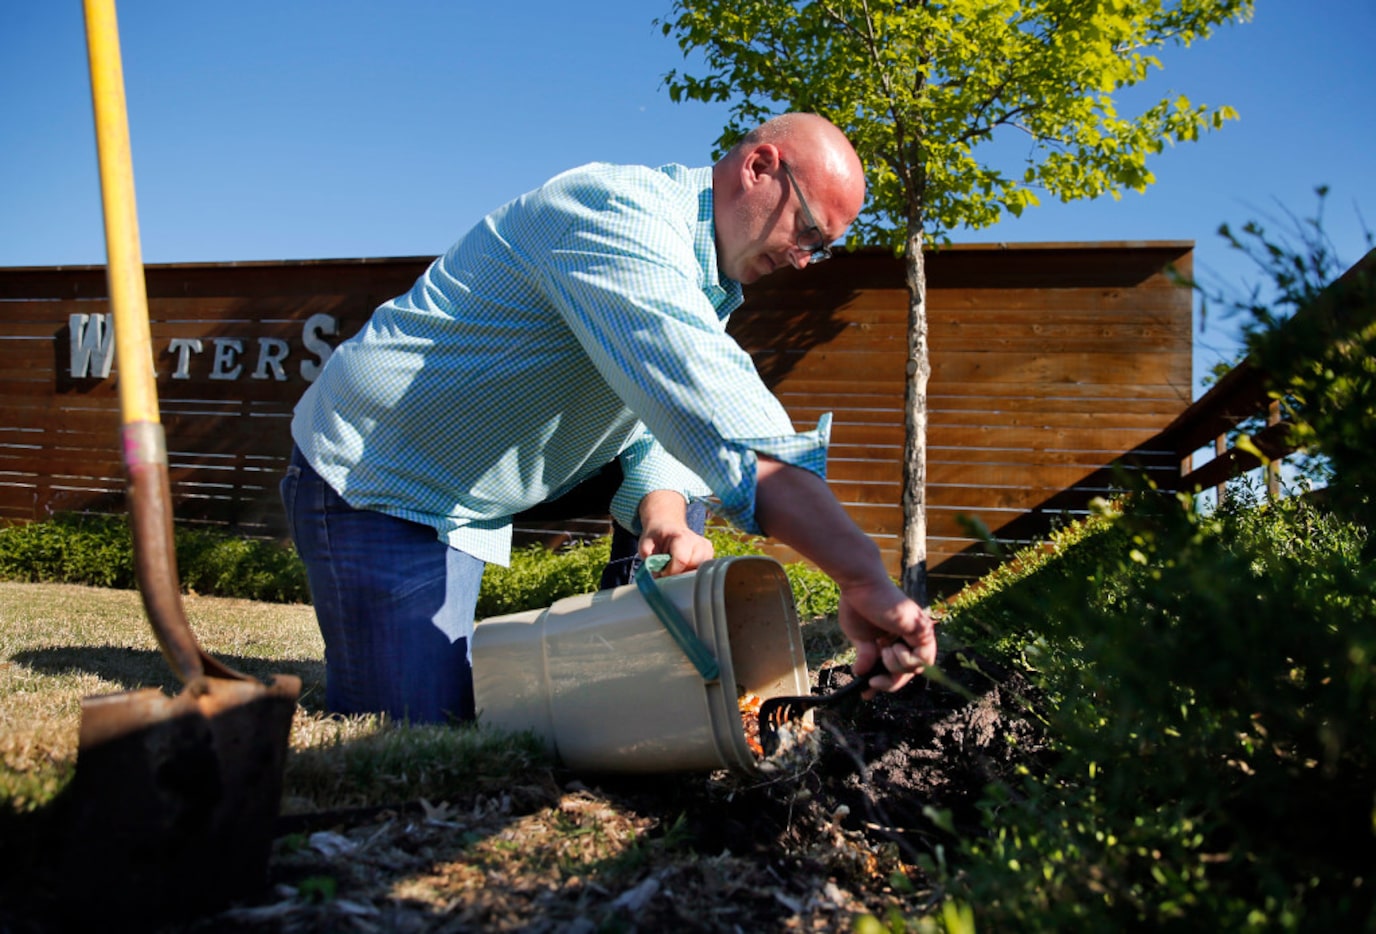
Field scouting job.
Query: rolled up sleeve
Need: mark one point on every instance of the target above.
(647, 467)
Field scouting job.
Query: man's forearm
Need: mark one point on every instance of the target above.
(796, 507)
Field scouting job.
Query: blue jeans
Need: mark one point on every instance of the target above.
(394, 603)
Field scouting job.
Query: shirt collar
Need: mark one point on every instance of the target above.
(725, 294)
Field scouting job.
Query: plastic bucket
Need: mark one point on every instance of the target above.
(601, 678)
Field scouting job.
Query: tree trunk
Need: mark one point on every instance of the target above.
(914, 582)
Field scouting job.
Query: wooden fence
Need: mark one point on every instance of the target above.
(234, 346)
(1050, 363)
(1204, 437)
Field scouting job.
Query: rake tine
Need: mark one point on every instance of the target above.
(776, 711)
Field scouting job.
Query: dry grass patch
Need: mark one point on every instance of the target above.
(60, 643)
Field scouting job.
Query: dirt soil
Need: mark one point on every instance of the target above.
(837, 834)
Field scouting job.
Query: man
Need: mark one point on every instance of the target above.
(582, 323)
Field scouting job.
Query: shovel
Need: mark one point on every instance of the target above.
(174, 799)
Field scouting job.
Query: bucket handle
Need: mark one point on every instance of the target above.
(673, 620)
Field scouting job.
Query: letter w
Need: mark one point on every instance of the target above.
(92, 340)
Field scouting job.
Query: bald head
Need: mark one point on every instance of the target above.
(761, 215)
(811, 144)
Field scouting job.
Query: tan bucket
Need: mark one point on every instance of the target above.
(601, 678)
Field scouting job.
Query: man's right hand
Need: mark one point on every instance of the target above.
(883, 622)
(663, 518)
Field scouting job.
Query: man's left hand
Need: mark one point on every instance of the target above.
(686, 549)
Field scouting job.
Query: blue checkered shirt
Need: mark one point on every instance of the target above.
(582, 322)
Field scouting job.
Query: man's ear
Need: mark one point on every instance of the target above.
(758, 163)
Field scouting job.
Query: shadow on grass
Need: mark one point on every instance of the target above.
(132, 669)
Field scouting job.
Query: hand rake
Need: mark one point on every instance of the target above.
(777, 711)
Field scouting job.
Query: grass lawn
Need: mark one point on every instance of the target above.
(60, 643)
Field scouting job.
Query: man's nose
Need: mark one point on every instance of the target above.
(798, 258)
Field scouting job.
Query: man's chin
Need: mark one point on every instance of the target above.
(744, 276)
(749, 272)
(760, 269)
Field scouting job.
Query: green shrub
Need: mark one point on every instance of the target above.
(98, 551)
(538, 576)
(253, 569)
(1208, 685)
(91, 550)
(1206, 682)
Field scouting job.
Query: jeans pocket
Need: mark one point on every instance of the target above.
(291, 480)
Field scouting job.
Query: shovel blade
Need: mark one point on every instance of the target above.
(174, 799)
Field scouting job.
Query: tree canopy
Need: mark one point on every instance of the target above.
(924, 90)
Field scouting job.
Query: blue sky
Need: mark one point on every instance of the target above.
(307, 129)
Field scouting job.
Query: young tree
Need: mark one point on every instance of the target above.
(923, 88)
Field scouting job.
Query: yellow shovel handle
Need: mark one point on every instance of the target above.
(141, 435)
(128, 297)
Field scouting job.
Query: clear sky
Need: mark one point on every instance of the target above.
(311, 129)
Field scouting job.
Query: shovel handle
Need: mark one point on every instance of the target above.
(143, 446)
(124, 268)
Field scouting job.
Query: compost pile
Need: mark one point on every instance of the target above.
(806, 848)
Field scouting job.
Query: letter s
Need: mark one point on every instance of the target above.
(310, 336)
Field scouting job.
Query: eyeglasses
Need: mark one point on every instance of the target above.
(811, 241)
